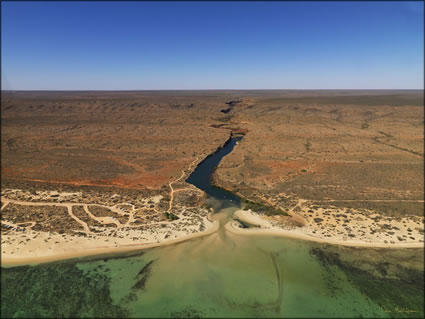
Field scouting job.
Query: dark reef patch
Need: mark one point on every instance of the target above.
(397, 289)
(56, 290)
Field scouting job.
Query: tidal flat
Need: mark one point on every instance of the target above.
(167, 175)
(223, 275)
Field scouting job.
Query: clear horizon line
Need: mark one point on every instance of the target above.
(136, 90)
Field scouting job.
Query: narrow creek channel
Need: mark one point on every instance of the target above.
(219, 275)
(201, 177)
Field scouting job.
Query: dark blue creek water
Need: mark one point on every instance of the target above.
(201, 176)
(222, 275)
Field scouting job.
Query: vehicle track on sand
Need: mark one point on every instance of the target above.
(67, 205)
(85, 226)
(102, 220)
(18, 225)
(170, 205)
(291, 213)
(4, 205)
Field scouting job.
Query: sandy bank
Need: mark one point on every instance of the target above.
(36, 250)
(266, 227)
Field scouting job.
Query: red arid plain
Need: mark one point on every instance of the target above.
(103, 171)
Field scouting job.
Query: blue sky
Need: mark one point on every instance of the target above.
(212, 45)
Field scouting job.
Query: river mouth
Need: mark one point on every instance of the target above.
(219, 275)
(212, 276)
(201, 177)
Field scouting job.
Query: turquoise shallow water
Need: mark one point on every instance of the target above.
(222, 275)
(258, 277)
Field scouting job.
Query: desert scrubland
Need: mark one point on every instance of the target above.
(346, 165)
(108, 169)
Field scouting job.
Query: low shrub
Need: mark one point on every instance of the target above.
(261, 208)
(171, 216)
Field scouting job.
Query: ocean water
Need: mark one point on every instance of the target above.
(222, 275)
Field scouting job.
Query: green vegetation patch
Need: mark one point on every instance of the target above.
(171, 216)
(394, 209)
(56, 290)
(206, 206)
(398, 290)
(261, 208)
